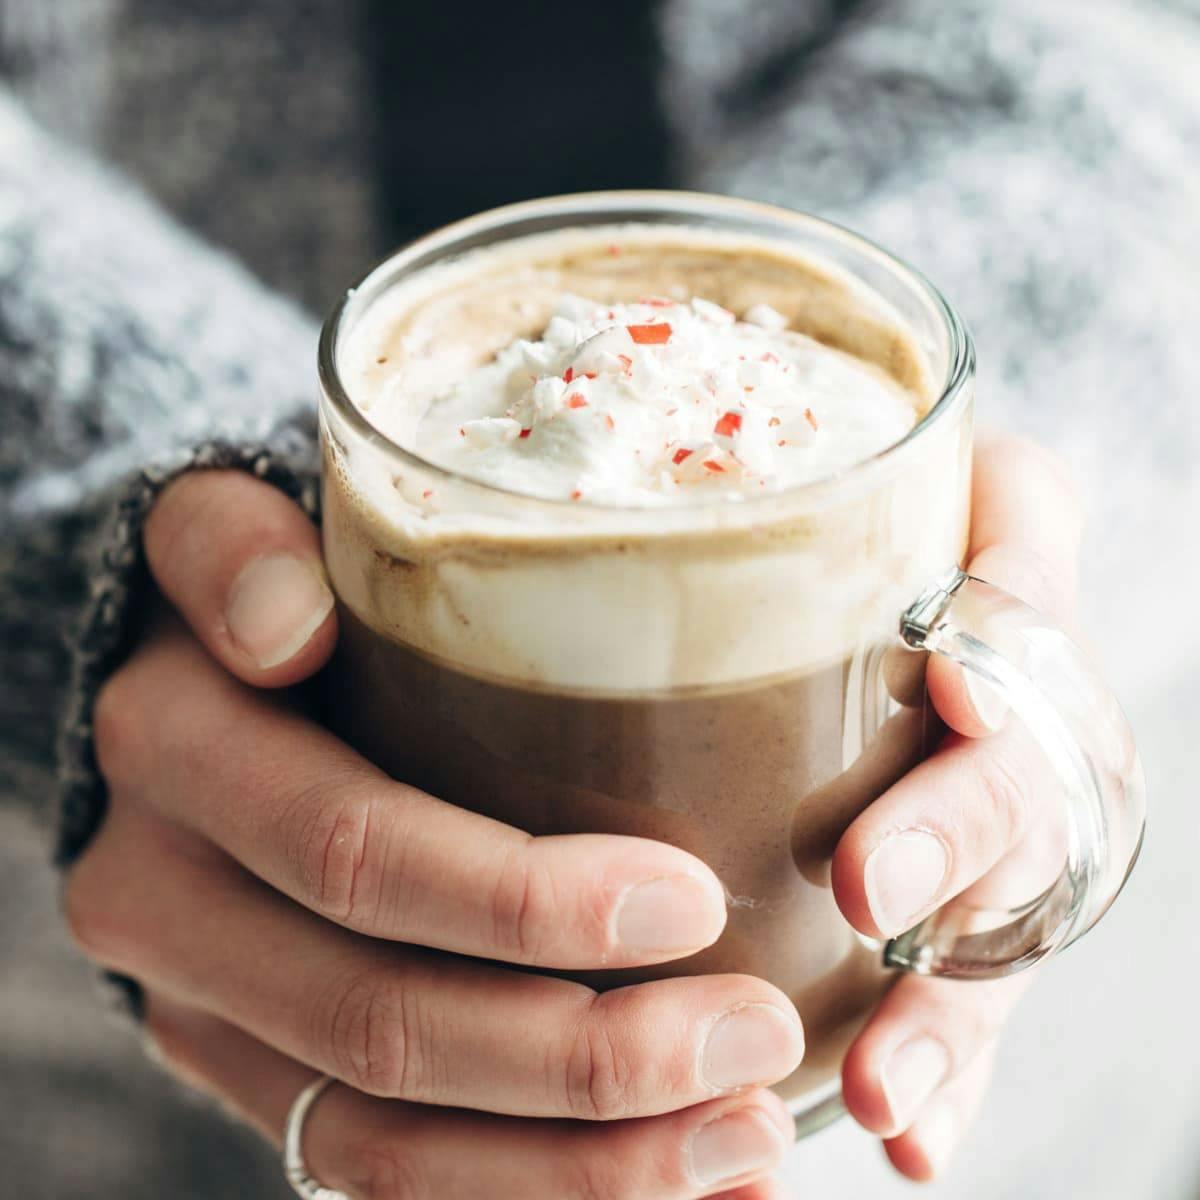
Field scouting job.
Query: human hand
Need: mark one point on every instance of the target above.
(289, 909)
(977, 814)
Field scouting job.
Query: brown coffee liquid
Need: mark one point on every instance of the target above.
(758, 782)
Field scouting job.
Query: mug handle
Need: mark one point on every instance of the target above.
(1049, 685)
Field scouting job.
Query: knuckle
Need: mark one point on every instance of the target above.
(387, 1169)
(117, 728)
(983, 1024)
(1003, 788)
(598, 1177)
(1040, 582)
(522, 902)
(165, 1042)
(1021, 447)
(976, 1025)
(369, 1029)
(1029, 573)
(179, 1044)
(334, 856)
(81, 911)
(191, 502)
(1060, 474)
(95, 925)
(601, 1083)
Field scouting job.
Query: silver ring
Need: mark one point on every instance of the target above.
(294, 1166)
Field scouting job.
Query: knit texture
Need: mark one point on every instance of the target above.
(127, 348)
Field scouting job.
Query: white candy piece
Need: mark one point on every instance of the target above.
(561, 332)
(547, 397)
(601, 351)
(765, 317)
(712, 312)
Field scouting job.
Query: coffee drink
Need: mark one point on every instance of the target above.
(620, 530)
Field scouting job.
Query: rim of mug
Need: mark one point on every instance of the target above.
(628, 206)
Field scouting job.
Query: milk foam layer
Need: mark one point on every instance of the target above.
(740, 581)
(657, 401)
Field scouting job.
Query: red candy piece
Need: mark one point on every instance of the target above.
(650, 335)
(728, 424)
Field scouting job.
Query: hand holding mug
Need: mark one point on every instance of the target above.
(544, 904)
(288, 908)
(211, 883)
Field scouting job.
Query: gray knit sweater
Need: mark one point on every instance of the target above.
(159, 160)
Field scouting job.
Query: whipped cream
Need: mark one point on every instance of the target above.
(660, 401)
(642, 586)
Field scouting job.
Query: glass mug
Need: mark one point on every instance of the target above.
(756, 675)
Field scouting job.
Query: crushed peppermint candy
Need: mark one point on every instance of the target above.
(657, 400)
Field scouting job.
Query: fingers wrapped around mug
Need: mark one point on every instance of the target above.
(178, 890)
(303, 812)
(987, 794)
(387, 1150)
(981, 823)
(918, 1070)
(403, 1022)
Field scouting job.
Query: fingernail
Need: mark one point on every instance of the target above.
(756, 1043)
(740, 1143)
(911, 1075)
(936, 1133)
(903, 877)
(275, 605)
(667, 915)
(987, 701)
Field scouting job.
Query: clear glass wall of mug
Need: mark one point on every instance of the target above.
(754, 676)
